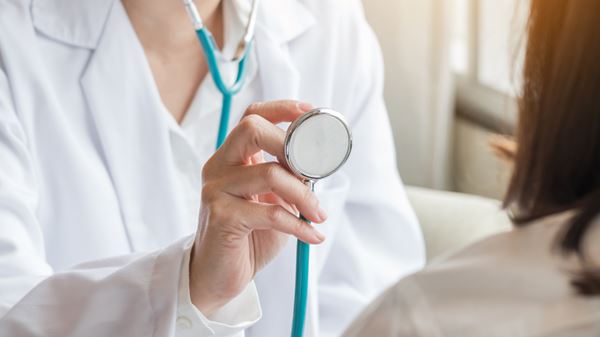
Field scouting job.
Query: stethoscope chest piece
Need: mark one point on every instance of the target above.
(317, 144)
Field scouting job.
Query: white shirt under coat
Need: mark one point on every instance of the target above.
(95, 174)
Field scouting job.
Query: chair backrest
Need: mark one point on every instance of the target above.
(451, 220)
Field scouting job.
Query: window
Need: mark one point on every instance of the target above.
(486, 57)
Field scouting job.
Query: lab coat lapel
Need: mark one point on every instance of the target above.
(132, 130)
(280, 79)
(279, 76)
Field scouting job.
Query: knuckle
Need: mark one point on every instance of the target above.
(219, 214)
(271, 173)
(275, 214)
(213, 213)
(251, 125)
(209, 193)
(212, 168)
(245, 123)
(206, 170)
(250, 122)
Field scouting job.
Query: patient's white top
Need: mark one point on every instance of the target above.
(511, 284)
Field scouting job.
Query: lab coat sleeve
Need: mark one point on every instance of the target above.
(237, 315)
(379, 239)
(132, 295)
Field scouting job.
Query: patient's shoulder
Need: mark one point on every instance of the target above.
(511, 284)
(525, 253)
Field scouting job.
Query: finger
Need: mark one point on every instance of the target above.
(257, 158)
(278, 111)
(274, 199)
(256, 131)
(252, 135)
(258, 216)
(273, 178)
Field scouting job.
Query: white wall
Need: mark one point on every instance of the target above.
(435, 149)
(414, 39)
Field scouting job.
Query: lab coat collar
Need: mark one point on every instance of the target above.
(81, 23)
(76, 22)
(280, 22)
(284, 20)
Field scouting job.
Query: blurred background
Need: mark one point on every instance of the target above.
(451, 70)
(451, 76)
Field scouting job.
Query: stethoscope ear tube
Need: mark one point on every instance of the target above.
(209, 47)
(210, 50)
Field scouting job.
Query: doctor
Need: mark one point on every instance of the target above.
(107, 119)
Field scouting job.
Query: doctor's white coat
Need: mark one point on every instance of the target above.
(93, 226)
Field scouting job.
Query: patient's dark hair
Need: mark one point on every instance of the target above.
(557, 163)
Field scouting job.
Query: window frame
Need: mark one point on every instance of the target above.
(476, 101)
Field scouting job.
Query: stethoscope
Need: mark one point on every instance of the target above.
(316, 145)
(213, 56)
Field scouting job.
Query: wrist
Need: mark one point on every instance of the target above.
(207, 293)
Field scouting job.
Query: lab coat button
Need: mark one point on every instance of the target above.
(184, 322)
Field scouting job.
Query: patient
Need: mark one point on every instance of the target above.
(542, 278)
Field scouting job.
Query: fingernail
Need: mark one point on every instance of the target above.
(305, 107)
(322, 214)
(320, 237)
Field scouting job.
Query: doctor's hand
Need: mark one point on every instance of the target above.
(249, 207)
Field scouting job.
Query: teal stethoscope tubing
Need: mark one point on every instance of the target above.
(209, 46)
(303, 249)
(301, 290)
